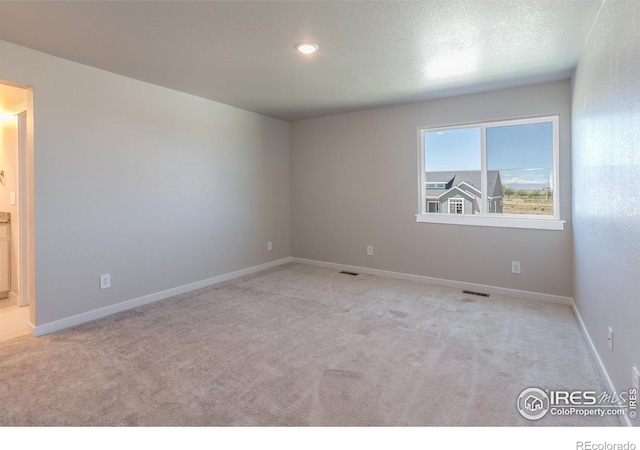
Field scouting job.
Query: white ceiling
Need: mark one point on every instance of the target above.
(371, 53)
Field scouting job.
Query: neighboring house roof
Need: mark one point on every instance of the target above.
(471, 196)
(465, 180)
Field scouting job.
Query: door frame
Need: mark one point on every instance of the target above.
(26, 207)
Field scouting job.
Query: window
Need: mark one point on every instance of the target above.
(433, 207)
(456, 206)
(491, 174)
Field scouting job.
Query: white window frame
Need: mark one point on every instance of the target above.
(484, 218)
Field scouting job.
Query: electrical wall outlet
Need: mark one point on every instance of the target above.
(610, 338)
(105, 281)
(269, 246)
(369, 250)
(515, 266)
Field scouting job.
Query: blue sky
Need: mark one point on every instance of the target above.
(457, 149)
(522, 153)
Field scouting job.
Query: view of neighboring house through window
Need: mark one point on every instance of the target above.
(505, 168)
(433, 207)
(456, 206)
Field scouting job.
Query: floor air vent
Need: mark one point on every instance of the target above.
(349, 273)
(481, 294)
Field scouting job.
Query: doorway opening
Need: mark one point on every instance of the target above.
(17, 265)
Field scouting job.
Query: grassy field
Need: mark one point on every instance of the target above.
(522, 206)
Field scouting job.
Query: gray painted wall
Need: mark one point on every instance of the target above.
(606, 191)
(354, 183)
(156, 187)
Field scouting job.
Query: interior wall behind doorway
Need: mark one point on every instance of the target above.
(13, 100)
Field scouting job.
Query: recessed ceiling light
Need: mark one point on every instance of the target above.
(307, 48)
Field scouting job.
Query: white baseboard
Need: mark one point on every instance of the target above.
(442, 282)
(601, 368)
(68, 322)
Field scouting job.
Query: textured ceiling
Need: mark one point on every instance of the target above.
(371, 53)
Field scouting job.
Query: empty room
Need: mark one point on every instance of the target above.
(319, 213)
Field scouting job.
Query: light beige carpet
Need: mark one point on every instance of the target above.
(301, 345)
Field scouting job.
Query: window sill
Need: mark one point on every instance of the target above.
(547, 223)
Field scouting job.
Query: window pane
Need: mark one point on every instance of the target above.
(448, 150)
(520, 169)
(452, 165)
(456, 206)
